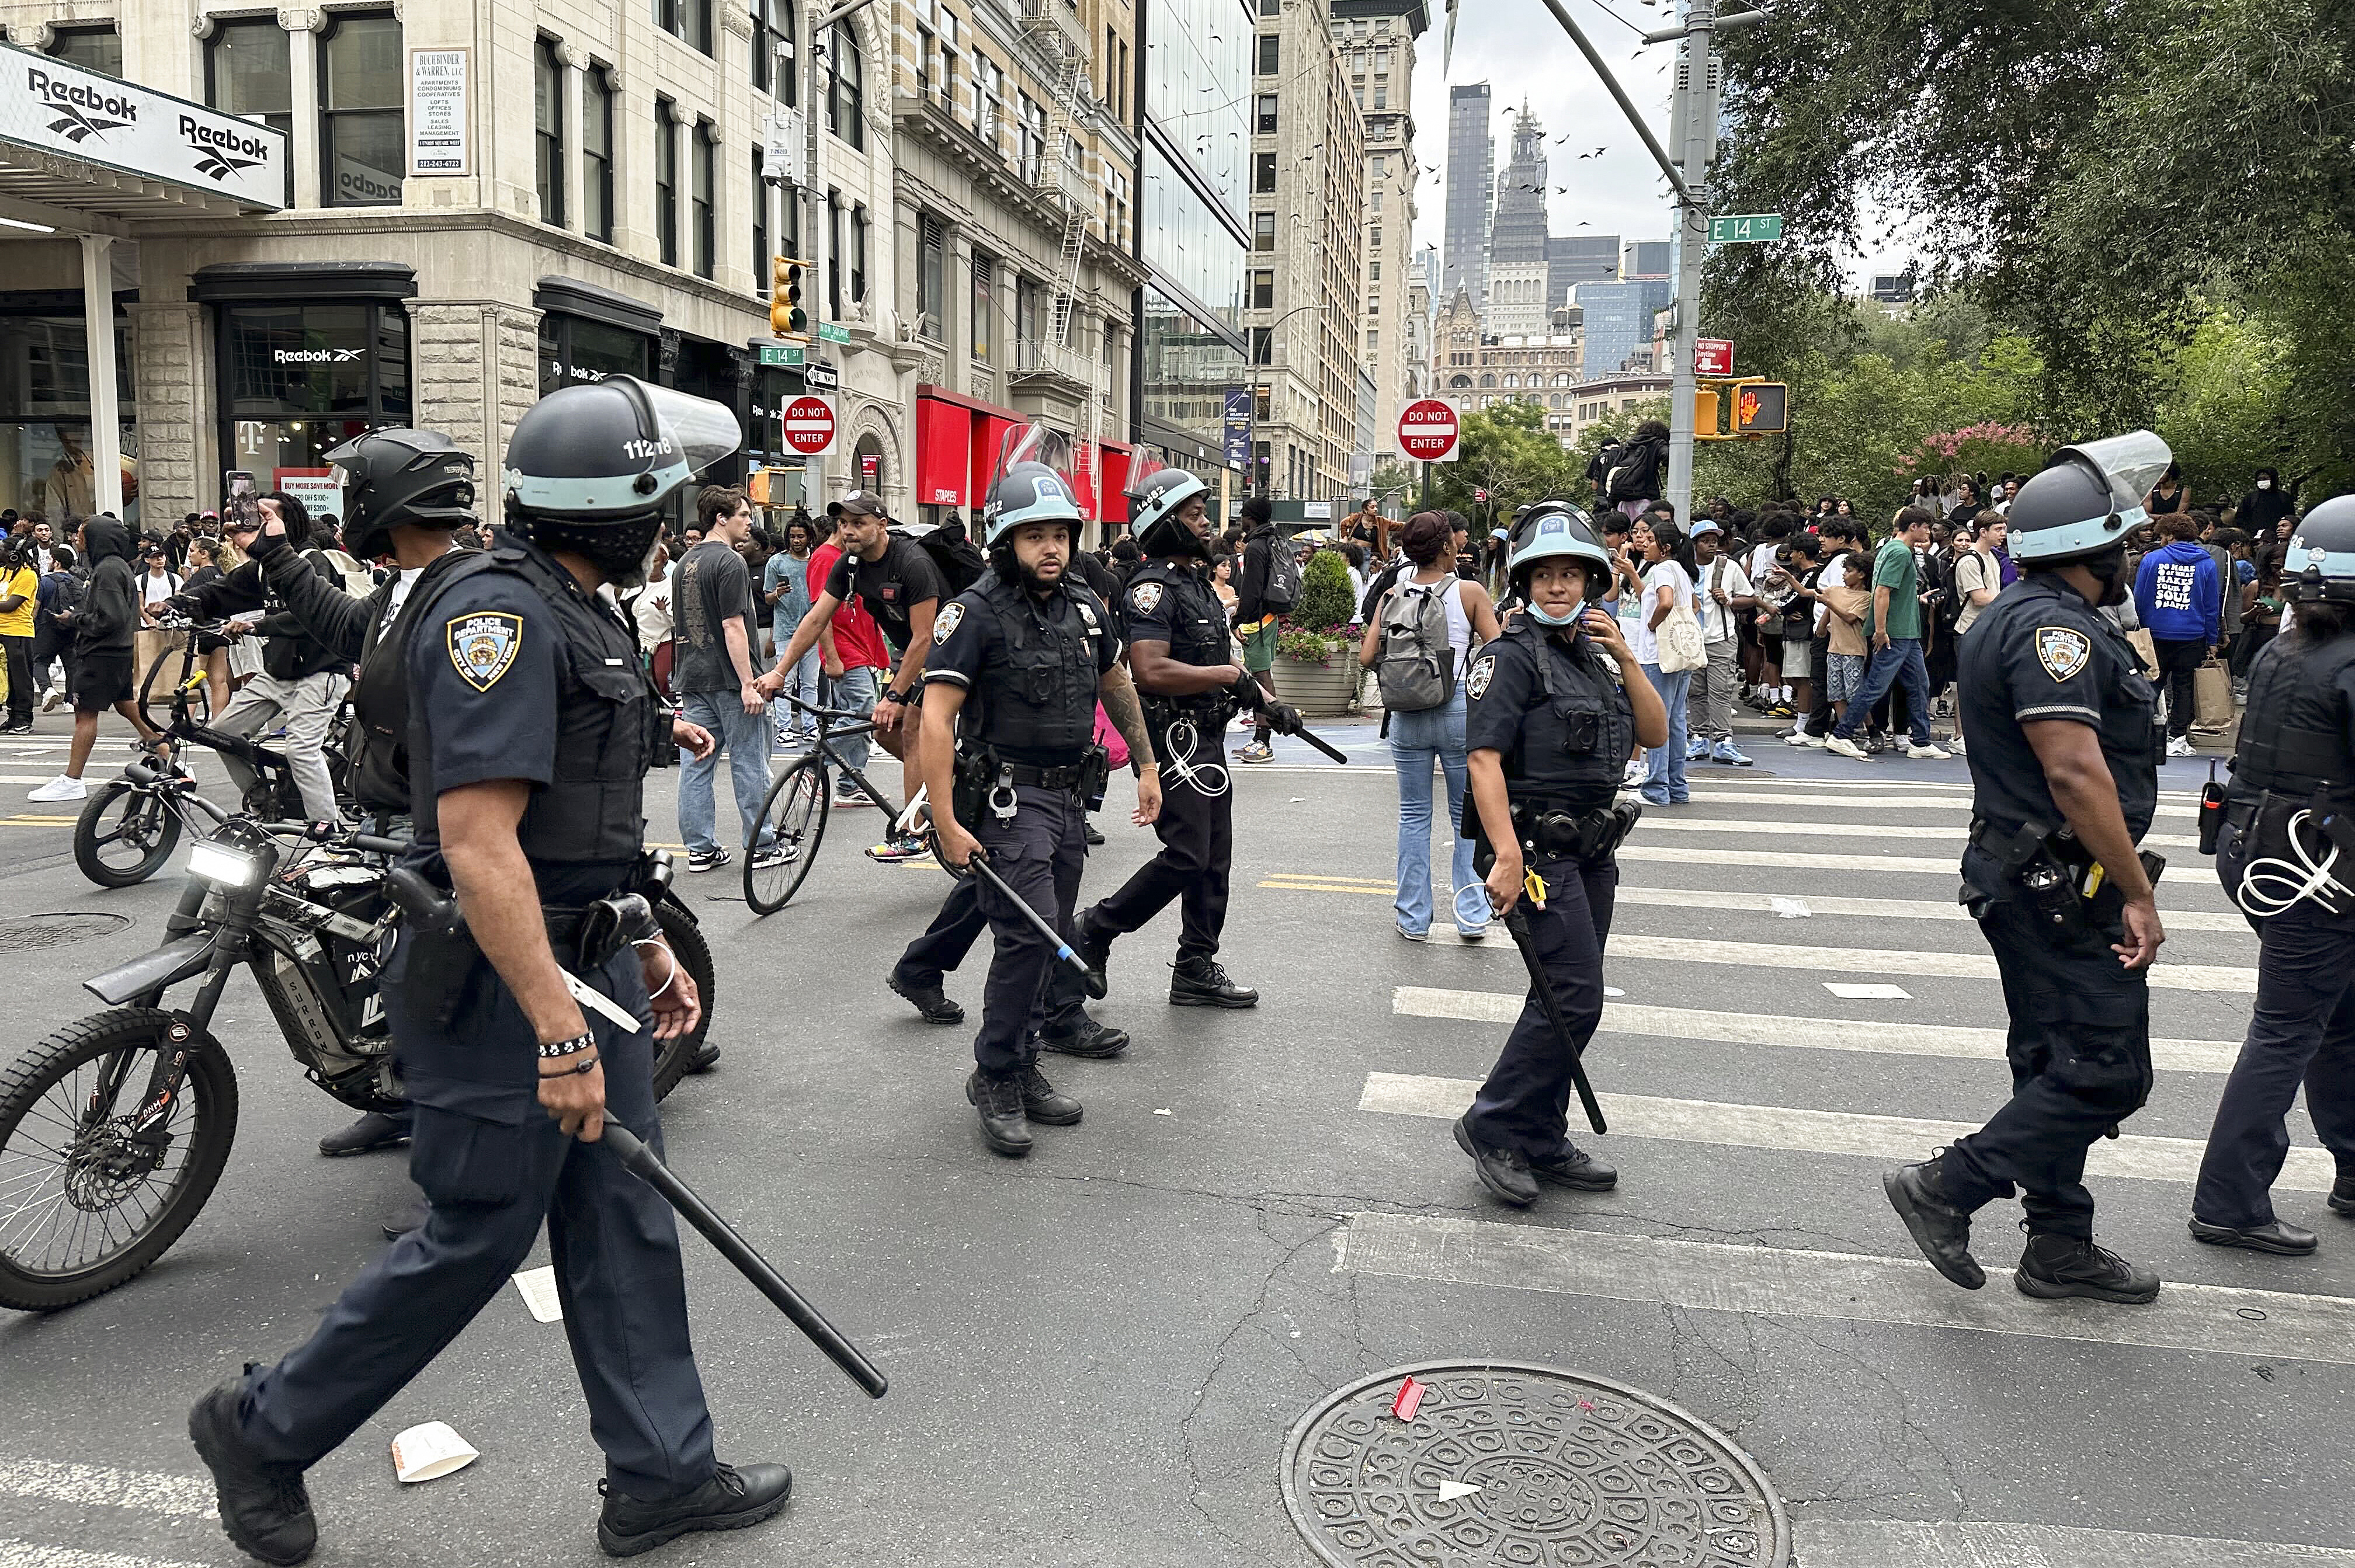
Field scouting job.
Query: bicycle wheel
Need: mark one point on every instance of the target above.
(87, 1197)
(124, 835)
(796, 812)
(694, 954)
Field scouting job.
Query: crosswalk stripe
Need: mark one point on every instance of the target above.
(1793, 1130)
(32, 1554)
(1933, 833)
(1869, 1036)
(1948, 866)
(103, 1485)
(1862, 802)
(1890, 962)
(1763, 903)
(1716, 1276)
(1972, 1543)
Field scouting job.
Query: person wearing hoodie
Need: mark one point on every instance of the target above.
(102, 676)
(2176, 597)
(2262, 510)
(1256, 619)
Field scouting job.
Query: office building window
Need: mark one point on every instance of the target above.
(1262, 345)
(1382, 95)
(985, 269)
(773, 32)
(859, 227)
(1264, 173)
(688, 20)
(1373, 339)
(1263, 120)
(1373, 271)
(247, 73)
(834, 255)
(665, 184)
(703, 196)
(931, 280)
(1270, 47)
(1263, 291)
(989, 82)
(1374, 237)
(547, 129)
(1262, 230)
(761, 280)
(846, 97)
(597, 154)
(1028, 316)
(98, 48)
(361, 159)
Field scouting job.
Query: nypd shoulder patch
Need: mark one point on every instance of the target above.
(2062, 650)
(483, 645)
(1145, 597)
(944, 625)
(1483, 669)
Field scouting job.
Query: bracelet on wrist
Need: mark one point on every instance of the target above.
(588, 1066)
(551, 1050)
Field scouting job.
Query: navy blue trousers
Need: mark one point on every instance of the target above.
(1525, 1103)
(1039, 855)
(958, 925)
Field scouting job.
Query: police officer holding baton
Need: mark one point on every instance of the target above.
(522, 1030)
(1018, 662)
(2064, 777)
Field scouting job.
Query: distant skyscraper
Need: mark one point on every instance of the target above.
(1574, 259)
(1649, 258)
(1619, 319)
(1471, 176)
(1517, 266)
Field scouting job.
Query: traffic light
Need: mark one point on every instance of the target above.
(1762, 408)
(786, 317)
(1705, 414)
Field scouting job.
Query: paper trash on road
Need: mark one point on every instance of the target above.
(1613, 991)
(429, 1451)
(1790, 909)
(1409, 1400)
(1848, 990)
(538, 1289)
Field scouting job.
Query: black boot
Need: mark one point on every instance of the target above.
(928, 999)
(1042, 1103)
(2342, 1193)
(1576, 1169)
(374, 1130)
(1503, 1171)
(707, 1056)
(1094, 944)
(1085, 1038)
(2053, 1267)
(263, 1507)
(999, 1100)
(409, 1217)
(2272, 1236)
(1094, 833)
(1202, 983)
(732, 1500)
(1941, 1230)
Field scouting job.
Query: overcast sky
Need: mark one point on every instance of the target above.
(1518, 49)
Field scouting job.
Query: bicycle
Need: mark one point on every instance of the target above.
(798, 803)
(129, 826)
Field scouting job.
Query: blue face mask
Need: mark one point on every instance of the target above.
(1540, 613)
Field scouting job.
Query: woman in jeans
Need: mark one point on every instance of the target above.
(1418, 739)
(1665, 585)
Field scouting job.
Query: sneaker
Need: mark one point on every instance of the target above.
(1791, 737)
(1841, 746)
(59, 788)
(1415, 935)
(1203, 983)
(734, 1499)
(848, 794)
(1257, 751)
(21, 727)
(2181, 746)
(774, 854)
(1955, 747)
(1696, 750)
(1932, 752)
(708, 859)
(1875, 744)
(51, 698)
(2053, 1267)
(1637, 771)
(899, 850)
(1813, 742)
(1725, 751)
(1085, 1038)
(263, 1507)
(1781, 711)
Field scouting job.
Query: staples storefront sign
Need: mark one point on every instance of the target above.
(53, 108)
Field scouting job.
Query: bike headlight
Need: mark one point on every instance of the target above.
(225, 866)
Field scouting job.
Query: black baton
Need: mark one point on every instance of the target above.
(1517, 921)
(1096, 987)
(1333, 751)
(643, 1164)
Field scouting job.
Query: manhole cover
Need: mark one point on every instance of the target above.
(1571, 1471)
(36, 931)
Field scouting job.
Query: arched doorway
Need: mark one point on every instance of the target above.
(867, 469)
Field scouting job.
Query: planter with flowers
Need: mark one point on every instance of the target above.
(1316, 649)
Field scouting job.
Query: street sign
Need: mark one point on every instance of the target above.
(818, 376)
(780, 356)
(809, 426)
(1427, 430)
(1762, 408)
(828, 332)
(1752, 228)
(788, 141)
(1713, 356)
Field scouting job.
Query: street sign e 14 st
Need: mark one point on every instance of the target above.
(1750, 228)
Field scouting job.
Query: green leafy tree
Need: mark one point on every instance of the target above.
(1507, 451)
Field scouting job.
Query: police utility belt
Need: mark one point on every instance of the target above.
(985, 782)
(1552, 834)
(2060, 876)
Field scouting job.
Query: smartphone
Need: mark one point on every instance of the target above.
(241, 502)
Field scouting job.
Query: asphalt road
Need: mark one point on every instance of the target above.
(1097, 1353)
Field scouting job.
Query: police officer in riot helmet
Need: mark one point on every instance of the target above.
(1018, 664)
(1554, 706)
(2064, 777)
(2286, 853)
(405, 492)
(527, 1016)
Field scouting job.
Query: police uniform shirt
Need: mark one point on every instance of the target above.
(971, 650)
(2040, 651)
(1175, 605)
(1569, 749)
(904, 577)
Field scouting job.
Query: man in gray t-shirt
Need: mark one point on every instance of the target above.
(718, 658)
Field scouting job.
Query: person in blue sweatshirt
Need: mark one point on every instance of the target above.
(2179, 600)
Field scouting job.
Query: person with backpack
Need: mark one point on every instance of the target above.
(1269, 589)
(1419, 645)
(1634, 471)
(1726, 597)
(100, 671)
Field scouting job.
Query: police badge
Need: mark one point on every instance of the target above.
(2061, 650)
(483, 646)
(946, 623)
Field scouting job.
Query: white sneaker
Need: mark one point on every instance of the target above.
(61, 788)
(1931, 752)
(1637, 771)
(2177, 746)
(1841, 746)
(1813, 742)
(51, 698)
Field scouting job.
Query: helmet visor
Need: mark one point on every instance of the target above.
(700, 431)
(1141, 469)
(2131, 463)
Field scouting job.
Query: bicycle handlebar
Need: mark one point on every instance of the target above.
(842, 715)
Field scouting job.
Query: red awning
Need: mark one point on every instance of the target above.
(943, 452)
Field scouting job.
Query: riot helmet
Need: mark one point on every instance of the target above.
(2086, 500)
(1154, 502)
(588, 468)
(1028, 493)
(2320, 561)
(1552, 529)
(394, 477)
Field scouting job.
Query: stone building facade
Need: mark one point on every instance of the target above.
(1377, 39)
(1471, 371)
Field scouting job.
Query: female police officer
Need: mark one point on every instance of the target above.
(1550, 728)
(2294, 773)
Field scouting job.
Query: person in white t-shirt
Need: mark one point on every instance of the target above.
(1725, 596)
(1667, 585)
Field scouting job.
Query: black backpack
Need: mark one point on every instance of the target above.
(957, 559)
(1283, 590)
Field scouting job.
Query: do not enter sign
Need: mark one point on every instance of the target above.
(809, 426)
(1427, 430)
